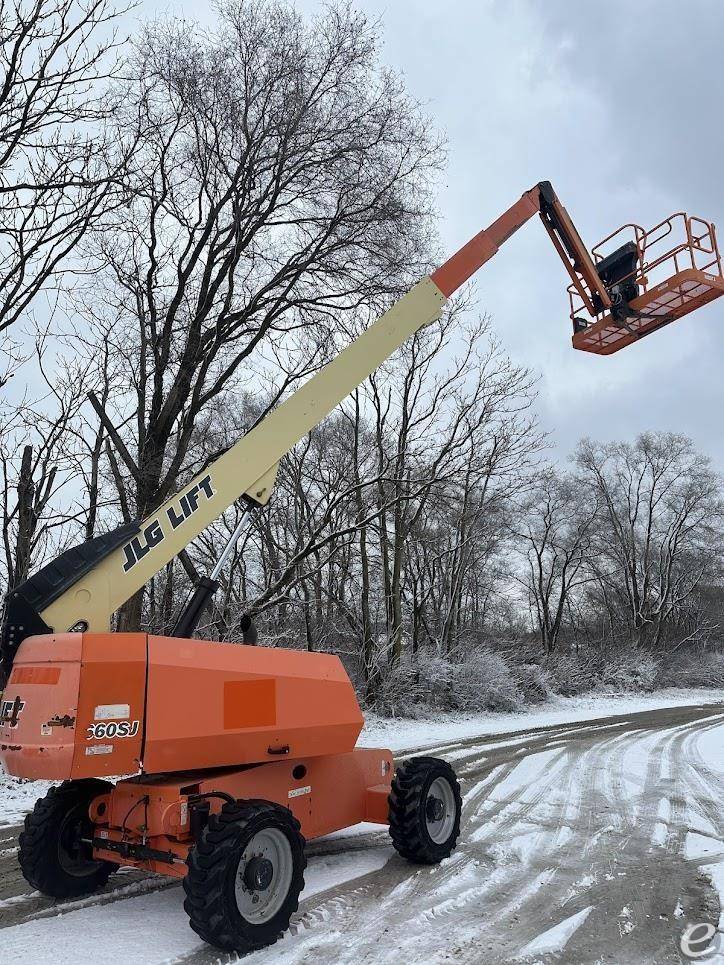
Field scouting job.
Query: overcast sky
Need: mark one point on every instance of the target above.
(619, 105)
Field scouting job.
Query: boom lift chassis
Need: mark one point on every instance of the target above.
(240, 754)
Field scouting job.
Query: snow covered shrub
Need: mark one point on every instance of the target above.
(432, 683)
(629, 670)
(412, 689)
(534, 683)
(568, 674)
(483, 681)
(692, 670)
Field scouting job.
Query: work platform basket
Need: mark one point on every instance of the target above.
(653, 278)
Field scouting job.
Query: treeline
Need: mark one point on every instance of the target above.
(420, 526)
(193, 221)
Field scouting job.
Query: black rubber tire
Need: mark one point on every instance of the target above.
(43, 853)
(213, 862)
(408, 802)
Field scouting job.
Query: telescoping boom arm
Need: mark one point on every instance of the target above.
(83, 587)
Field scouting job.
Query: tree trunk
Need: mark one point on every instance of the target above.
(129, 615)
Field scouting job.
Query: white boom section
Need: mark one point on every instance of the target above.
(248, 467)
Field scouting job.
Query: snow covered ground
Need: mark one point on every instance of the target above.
(401, 734)
(583, 840)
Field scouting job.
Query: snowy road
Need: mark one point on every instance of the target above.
(584, 842)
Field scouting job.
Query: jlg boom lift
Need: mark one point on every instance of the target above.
(241, 753)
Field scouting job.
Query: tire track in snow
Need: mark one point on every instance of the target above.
(550, 827)
(522, 893)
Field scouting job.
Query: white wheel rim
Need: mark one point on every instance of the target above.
(440, 828)
(259, 905)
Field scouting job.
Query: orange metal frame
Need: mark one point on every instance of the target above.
(541, 200)
(324, 794)
(679, 269)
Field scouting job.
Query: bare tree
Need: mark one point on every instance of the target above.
(55, 181)
(313, 567)
(42, 506)
(280, 181)
(458, 441)
(554, 532)
(662, 526)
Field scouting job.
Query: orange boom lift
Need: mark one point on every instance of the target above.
(240, 754)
